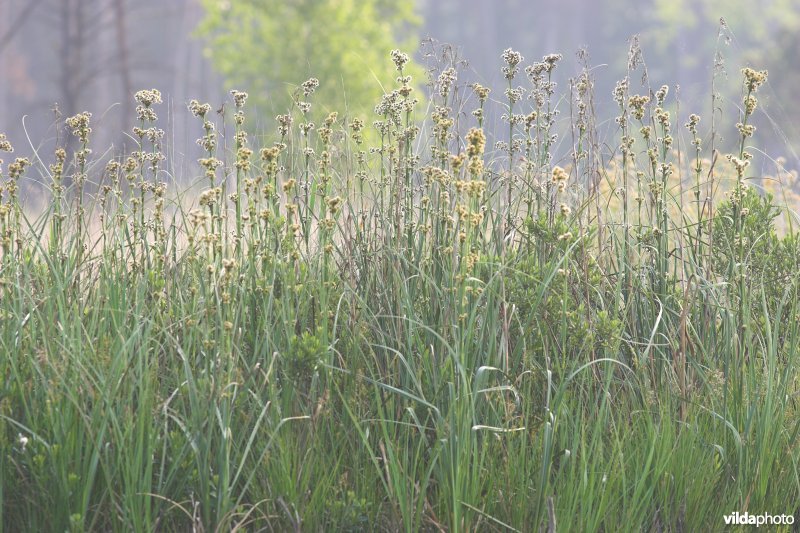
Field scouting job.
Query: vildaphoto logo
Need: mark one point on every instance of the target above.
(764, 519)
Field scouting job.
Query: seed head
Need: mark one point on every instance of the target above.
(753, 79)
(476, 142)
(400, 59)
(79, 124)
(199, 110)
(446, 80)
(5, 146)
(239, 98)
(480, 91)
(661, 95)
(559, 175)
(148, 97)
(637, 103)
(309, 86)
(512, 59)
(550, 61)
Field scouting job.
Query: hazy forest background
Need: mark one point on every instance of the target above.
(85, 55)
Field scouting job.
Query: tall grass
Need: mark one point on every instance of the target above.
(402, 327)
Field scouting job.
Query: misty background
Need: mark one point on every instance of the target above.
(61, 57)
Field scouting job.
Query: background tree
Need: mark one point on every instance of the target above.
(92, 55)
(269, 47)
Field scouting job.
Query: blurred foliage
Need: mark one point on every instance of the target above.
(270, 47)
(752, 38)
(675, 16)
(781, 58)
(762, 33)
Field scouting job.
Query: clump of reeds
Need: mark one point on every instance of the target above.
(420, 325)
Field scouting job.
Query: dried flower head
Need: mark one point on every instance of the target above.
(480, 91)
(333, 204)
(309, 86)
(637, 103)
(512, 59)
(750, 103)
(400, 59)
(694, 120)
(148, 97)
(559, 175)
(5, 146)
(620, 90)
(550, 60)
(199, 110)
(17, 168)
(661, 94)
(662, 117)
(270, 155)
(753, 79)
(284, 123)
(739, 164)
(746, 130)
(79, 124)
(239, 98)
(446, 80)
(476, 142)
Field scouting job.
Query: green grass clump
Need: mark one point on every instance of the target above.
(418, 326)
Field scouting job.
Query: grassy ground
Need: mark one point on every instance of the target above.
(395, 327)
